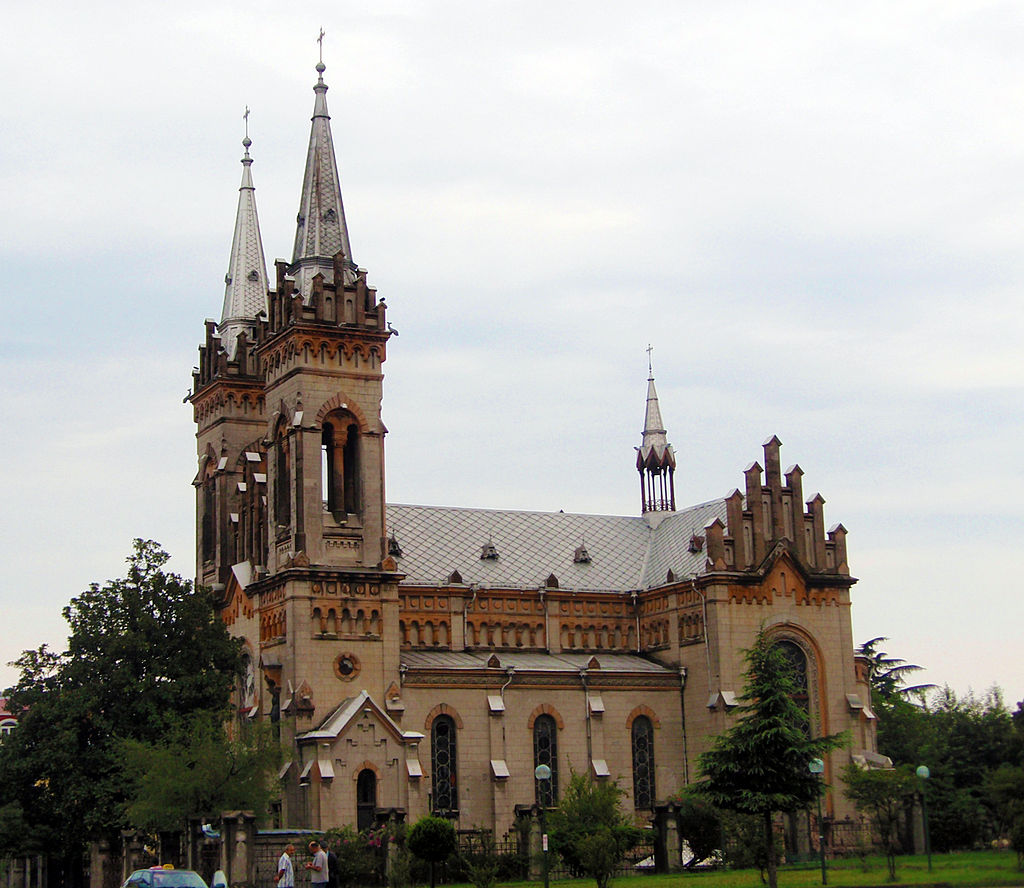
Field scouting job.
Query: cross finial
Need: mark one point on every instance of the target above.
(320, 40)
(650, 349)
(246, 142)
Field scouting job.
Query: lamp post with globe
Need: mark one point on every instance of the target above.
(543, 774)
(923, 774)
(817, 767)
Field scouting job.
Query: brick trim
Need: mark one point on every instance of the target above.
(442, 709)
(546, 709)
(642, 709)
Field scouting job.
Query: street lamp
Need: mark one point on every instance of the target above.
(923, 774)
(817, 767)
(543, 774)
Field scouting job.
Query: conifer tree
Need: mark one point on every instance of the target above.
(759, 766)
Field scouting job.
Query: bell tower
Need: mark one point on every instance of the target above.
(290, 489)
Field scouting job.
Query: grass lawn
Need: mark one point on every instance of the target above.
(970, 868)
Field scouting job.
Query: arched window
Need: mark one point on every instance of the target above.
(444, 766)
(642, 740)
(366, 799)
(282, 478)
(798, 662)
(545, 752)
(340, 464)
(7, 726)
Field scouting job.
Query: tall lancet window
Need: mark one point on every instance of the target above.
(340, 468)
(209, 534)
(444, 766)
(545, 752)
(282, 478)
(642, 738)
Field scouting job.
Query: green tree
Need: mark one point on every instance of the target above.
(1004, 794)
(887, 674)
(699, 823)
(759, 765)
(432, 839)
(588, 829)
(359, 855)
(480, 859)
(145, 652)
(199, 770)
(883, 796)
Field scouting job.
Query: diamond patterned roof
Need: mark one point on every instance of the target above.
(530, 662)
(321, 230)
(245, 291)
(626, 553)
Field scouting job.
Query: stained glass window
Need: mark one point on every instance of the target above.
(643, 762)
(444, 766)
(545, 752)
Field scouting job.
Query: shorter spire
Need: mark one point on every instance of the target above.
(245, 290)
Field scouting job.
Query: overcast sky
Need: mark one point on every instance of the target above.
(812, 211)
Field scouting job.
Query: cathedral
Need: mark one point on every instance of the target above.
(429, 658)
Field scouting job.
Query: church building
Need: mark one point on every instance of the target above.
(430, 658)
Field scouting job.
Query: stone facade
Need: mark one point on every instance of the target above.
(434, 666)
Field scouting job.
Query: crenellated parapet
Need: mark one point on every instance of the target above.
(353, 304)
(769, 511)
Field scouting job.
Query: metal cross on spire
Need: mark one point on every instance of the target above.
(246, 142)
(650, 349)
(320, 40)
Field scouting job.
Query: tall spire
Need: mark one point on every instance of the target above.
(320, 230)
(655, 458)
(245, 292)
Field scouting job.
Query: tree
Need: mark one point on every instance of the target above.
(432, 839)
(588, 829)
(759, 765)
(145, 652)
(699, 823)
(888, 675)
(199, 769)
(882, 795)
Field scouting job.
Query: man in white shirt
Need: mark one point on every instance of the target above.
(285, 871)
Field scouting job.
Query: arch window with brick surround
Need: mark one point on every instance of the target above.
(340, 452)
(443, 766)
(803, 656)
(642, 742)
(545, 752)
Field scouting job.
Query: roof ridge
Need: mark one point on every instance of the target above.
(677, 513)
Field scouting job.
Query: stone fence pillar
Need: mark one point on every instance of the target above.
(238, 848)
(667, 845)
(133, 852)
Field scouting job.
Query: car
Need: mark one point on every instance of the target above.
(165, 876)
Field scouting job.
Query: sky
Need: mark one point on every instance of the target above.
(810, 211)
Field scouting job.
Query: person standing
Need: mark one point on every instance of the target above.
(285, 870)
(332, 867)
(319, 870)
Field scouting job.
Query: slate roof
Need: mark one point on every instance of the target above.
(626, 553)
(320, 227)
(530, 662)
(245, 284)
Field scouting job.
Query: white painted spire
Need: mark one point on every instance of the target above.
(320, 230)
(245, 291)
